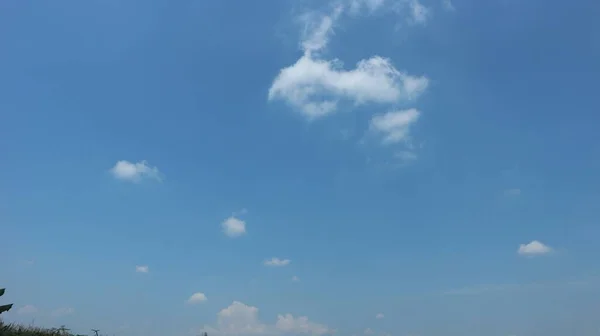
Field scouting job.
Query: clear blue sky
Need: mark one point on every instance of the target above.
(434, 162)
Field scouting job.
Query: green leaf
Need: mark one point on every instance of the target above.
(2, 291)
(5, 308)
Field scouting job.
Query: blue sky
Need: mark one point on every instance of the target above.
(347, 167)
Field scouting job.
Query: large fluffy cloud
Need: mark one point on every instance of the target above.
(314, 85)
(317, 86)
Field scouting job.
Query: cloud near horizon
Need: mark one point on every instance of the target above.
(241, 319)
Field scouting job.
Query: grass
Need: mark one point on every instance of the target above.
(19, 330)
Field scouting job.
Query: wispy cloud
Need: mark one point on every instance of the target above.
(419, 13)
(27, 309)
(448, 5)
(480, 289)
(142, 269)
(394, 126)
(512, 192)
(63, 311)
(276, 262)
(511, 287)
(379, 316)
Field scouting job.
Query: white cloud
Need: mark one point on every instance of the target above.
(276, 262)
(369, 331)
(534, 248)
(27, 309)
(142, 269)
(379, 316)
(317, 32)
(394, 126)
(419, 13)
(300, 325)
(134, 172)
(62, 312)
(197, 298)
(295, 278)
(233, 227)
(314, 86)
(242, 319)
(356, 6)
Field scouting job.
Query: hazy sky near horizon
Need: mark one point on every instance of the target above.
(301, 167)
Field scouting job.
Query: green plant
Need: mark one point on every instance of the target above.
(4, 308)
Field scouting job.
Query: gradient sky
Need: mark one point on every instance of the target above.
(347, 167)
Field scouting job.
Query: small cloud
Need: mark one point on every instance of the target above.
(419, 13)
(447, 4)
(394, 126)
(197, 298)
(512, 192)
(233, 227)
(142, 269)
(27, 309)
(534, 248)
(379, 316)
(276, 262)
(134, 172)
(62, 312)
(295, 278)
(369, 331)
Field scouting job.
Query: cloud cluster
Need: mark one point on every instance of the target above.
(241, 319)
